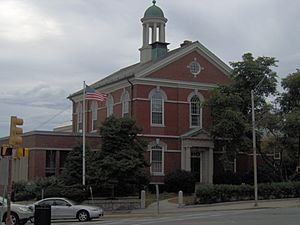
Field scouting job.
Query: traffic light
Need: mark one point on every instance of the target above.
(14, 138)
(6, 150)
(22, 152)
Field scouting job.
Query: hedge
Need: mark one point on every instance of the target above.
(225, 192)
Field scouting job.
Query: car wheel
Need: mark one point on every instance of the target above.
(83, 216)
(14, 218)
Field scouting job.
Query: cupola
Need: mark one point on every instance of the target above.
(154, 45)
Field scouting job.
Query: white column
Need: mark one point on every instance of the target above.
(154, 33)
(144, 35)
(147, 34)
(211, 165)
(203, 167)
(183, 156)
(188, 159)
(162, 33)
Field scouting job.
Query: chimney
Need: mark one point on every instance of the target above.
(186, 43)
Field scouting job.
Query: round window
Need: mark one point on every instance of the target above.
(195, 68)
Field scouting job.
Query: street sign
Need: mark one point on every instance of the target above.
(3, 171)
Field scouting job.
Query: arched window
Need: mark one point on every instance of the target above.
(79, 117)
(94, 108)
(110, 105)
(195, 112)
(125, 103)
(157, 98)
(157, 160)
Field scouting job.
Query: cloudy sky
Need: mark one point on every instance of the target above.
(49, 47)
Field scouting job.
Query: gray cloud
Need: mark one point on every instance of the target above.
(48, 48)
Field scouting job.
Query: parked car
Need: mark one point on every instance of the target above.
(62, 208)
(20, 214)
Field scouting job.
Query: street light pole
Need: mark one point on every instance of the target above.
(254, 149)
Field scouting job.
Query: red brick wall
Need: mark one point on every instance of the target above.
(179, 70)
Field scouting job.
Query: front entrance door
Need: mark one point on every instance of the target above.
(196, 165)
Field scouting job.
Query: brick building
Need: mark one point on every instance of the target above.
(163, 92)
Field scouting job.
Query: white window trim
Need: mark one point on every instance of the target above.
(125, 98)
(110, 103)
(164, 149)
(94, 106)
(164, 99)
(79, 112)
(201, 98)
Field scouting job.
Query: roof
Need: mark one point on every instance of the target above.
(140, 69)
(154, 12)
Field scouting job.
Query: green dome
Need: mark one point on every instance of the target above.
(154, 11)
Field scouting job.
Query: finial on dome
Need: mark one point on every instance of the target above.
(154, 2)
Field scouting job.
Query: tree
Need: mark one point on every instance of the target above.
(290, 105)
(121, 160)
(231, 104)
(72, 172)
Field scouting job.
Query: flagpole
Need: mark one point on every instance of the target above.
(83, 137)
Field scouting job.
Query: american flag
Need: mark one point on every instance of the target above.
(93, 94)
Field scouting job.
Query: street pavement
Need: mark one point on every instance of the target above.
(273, 212)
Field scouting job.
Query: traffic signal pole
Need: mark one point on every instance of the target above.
(9, 190)
(14, 141)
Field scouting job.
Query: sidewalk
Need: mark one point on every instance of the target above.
(166, 207)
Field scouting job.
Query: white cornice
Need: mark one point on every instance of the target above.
(158, 136)
(174, 83)
(106, 89)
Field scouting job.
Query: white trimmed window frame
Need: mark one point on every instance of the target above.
(157, 146)
(157, 92)
(94, 110)
(125, 103)
(110, 106)
(79, 111)
(191, 96)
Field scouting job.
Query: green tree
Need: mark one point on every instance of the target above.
(290, 105)
(231, 104)
(72, 171)
(121, 159)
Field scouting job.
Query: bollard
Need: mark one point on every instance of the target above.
(180, 199)
(143, 199)
(157, 197)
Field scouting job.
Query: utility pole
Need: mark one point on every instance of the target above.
(254, 149)
(254, 142)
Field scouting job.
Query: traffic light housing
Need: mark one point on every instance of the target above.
(5, 150)
(14, 137)
(22, 152)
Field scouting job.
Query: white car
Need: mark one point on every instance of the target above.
(20, 214)
(62, 208)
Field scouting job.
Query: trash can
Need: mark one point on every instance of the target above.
(42, 215)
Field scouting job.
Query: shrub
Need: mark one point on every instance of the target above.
(224, 192)
(23, 191)
(227, 177)
(52, 186)
(180, 180)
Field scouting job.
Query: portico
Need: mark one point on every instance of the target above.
(197, 155)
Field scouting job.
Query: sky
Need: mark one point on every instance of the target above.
(49, 47)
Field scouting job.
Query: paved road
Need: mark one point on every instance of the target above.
(269, 216)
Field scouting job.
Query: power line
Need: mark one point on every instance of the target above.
(47, 121)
